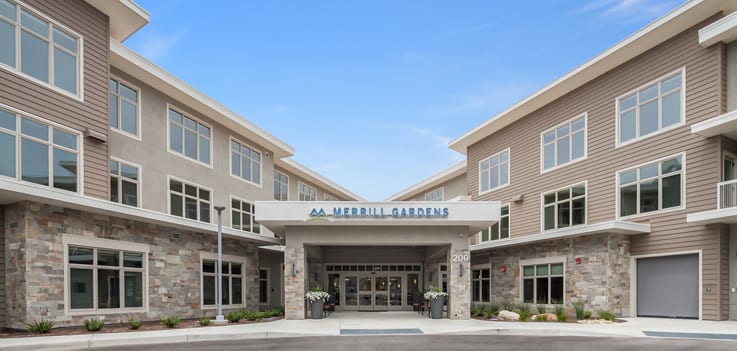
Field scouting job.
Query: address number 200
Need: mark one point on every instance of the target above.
(460, 258)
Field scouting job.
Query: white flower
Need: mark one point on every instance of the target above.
(432, 295)
(314, 296)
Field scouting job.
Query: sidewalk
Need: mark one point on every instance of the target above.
(397, 321)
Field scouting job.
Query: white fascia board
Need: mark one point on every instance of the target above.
(443, 176)
(716, 125)
(273, 248)
(724, 30)
(725, 215)
(126, 17)
(662, 29)
(311, 176)
(18, 192)
(142, 69)
(615, 227)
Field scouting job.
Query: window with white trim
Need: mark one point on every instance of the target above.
(499, 230)
(39, 153)
(123, 107)
(245, 162)
(328, 197)
(263, 286)
(565, 207)
(189, 137)
(189, 201)
(232, 283)
(652, 187)
(124, 183)
(494, 171)
(306, 192)
(37, 48)
(480, 284)
(243, 216)
(564, 143)
(436, 195)
(105, 279)
(543, 283)
(647, 110)
(281, 186)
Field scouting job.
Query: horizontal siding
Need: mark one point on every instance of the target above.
(40, 100)
(670, 232)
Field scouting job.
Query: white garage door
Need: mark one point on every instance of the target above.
(668, 286)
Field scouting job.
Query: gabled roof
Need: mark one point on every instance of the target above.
(441, 177)
(126, 17)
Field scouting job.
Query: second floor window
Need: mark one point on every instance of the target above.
(123, 107)
(652, 187)
(39, 49)
(494, 171)
(307, 193)
(189, 201)
(652, 108)
(565, 208)
(245, 162)
(281, 187)
(243, 216)
(564, 143)
(435, 195)
(189, 137)
(499, 230)
(123, 183)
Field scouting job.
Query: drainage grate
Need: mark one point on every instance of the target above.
(708, 336)
(380, 331)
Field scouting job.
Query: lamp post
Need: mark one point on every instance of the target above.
(220, 319)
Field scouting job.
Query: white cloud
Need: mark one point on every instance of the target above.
(629, 10)
(155, 46)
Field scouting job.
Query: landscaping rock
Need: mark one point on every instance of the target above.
(548, 317)
(594, 321)
(505, 315)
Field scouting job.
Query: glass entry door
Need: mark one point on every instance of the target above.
(365, 293)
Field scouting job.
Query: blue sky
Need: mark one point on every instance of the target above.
(370, 92)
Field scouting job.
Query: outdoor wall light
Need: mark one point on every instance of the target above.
(460, 266)
(294, 270)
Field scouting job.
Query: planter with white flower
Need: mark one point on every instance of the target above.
(437, 301)
(316, 299)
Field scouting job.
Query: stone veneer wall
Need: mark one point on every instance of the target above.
(3, 264)
(35, 249)
(602, 279)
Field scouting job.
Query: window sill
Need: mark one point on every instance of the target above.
(127, 134)
(106, 311)
(551, 169)
(189, 159)
(258, 185)
(214, 307)
(648, 136)
(79, 96)
(495, 189)
(651, 213)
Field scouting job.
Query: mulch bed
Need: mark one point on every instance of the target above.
(569, 320)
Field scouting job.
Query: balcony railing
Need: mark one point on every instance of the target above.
(727, 194)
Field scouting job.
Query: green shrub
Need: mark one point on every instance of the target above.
(234, 316)
(93, 324)
(204, 321)
(535, 309)
(507, 305)
(170, 321)
(135, 323)
(541, 318)
(586, 314)
(580, 307)
(43, 326)
(560, 313)
(524, 311)
(606, 315)
(493, 309)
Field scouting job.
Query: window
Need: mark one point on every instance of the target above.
(245, 162)
(564, 143)
(281, 186)
(263, 286)
(443, 274)
(328, 197)
(105, 279)
(189, 137)
(123, 183)
(480, 284)
(39, 49)
(494, 171)
(499, 230)
(652, 187)
(189, 201)
(565, 207)
(243, 216)
(123, 107)
(655, 107)
(306, 192)
(233, 288)
(542, 283)
(37, 152)
(435, 195)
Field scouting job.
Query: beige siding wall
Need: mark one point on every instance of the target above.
(293, 183)
(26, 95)
(451, 189)
(670, 232)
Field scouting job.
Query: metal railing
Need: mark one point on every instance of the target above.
(727, 194)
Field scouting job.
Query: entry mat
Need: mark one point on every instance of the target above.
(380, 331)
(710, 336)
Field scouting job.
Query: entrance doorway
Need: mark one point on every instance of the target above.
(374, 287)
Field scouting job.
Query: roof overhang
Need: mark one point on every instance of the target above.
(14, 191)
(662, 29)
(725, 124)
(474, 215)
(146, 71)
(443, 176)
(126, 17)
(724, 215)
(723, 30)
(307, 174)
(614, 227)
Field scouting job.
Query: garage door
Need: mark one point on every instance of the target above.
(668, 286)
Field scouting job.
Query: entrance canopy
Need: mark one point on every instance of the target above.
(474, 215)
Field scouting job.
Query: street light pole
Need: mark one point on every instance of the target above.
(220, 319)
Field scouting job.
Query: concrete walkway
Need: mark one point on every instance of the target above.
(364, 321)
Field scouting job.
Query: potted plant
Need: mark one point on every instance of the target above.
(316, 298)
(437, 300)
